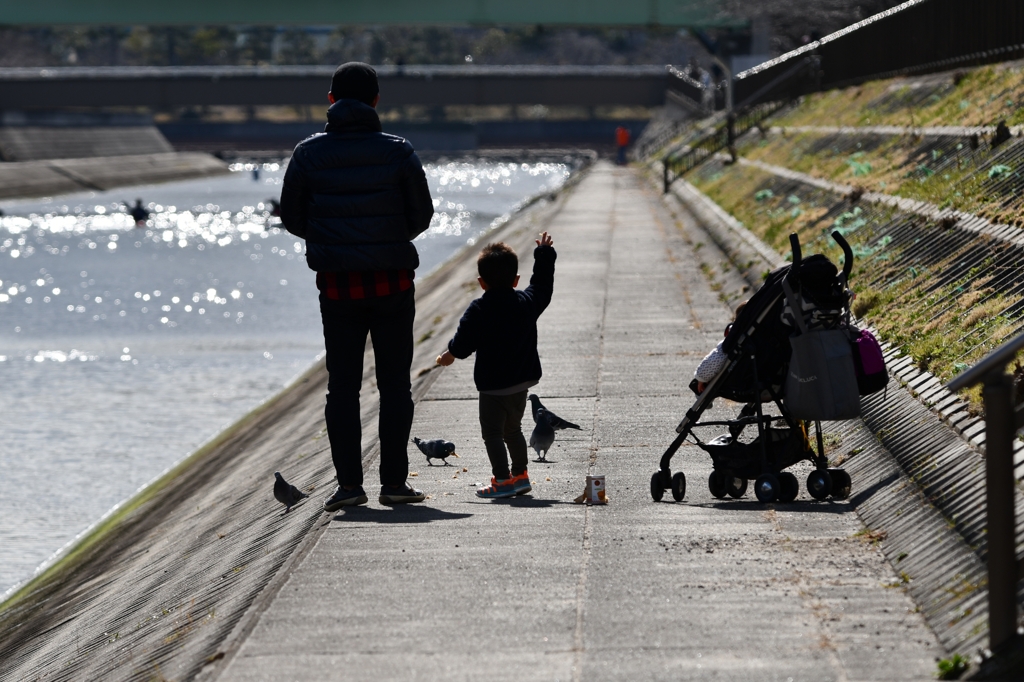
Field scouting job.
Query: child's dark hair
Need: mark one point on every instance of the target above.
(498, 265)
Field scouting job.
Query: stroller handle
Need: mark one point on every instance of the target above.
(847, 253)
(794, 243)
(794, 270)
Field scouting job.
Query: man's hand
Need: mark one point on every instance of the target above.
(545, 240)
(445, 359)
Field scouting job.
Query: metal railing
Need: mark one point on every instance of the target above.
(681, 160)
(920, 36)
(656, 137)
(759, 105)
(1002, 421)
(686, 87)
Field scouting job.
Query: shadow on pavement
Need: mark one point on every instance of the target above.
(828, 507)
(408, 513)
(521, 501)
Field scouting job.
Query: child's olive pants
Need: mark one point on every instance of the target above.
(501, 418)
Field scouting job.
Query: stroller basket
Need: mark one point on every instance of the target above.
(785, 447)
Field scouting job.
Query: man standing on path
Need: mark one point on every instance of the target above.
(359, 197)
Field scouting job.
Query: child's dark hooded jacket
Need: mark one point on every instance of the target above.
(501, 327)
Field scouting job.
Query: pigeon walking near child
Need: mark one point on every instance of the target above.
(436, 449)
(543, 437)
(547, 423)
(286, 493)
(539, 411)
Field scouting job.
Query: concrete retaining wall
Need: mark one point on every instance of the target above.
(35, 143)
(62, 176)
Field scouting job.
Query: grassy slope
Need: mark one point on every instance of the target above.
(971, 98)
(962, 174)
(945, 322)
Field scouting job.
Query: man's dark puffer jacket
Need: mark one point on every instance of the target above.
(356, 195)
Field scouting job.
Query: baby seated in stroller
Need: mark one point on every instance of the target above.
(715, 361)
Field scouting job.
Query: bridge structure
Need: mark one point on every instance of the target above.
(35, 101)
(690, 13)
(167, 87)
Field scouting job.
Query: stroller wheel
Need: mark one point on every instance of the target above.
(789, 487)
(738, 487)
(657, 489)
(678, 486)
(718, 484)
(841, 484)
(819, 484)
(766, 487)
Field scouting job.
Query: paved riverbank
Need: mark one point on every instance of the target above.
(539, 588)
(207, 571)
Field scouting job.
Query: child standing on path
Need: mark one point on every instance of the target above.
(501, 327)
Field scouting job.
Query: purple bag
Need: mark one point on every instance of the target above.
(868, 362)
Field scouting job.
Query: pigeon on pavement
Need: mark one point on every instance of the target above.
(543, 437)
(556, 422)
(285, 492)
(436, 449)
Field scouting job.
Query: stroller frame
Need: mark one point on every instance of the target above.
(734, 462)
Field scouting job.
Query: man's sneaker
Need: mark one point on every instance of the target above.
(497, 489)
(400, 494)
(345, 498)
(521, 483)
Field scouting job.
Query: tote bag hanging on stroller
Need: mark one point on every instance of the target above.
(822, 382)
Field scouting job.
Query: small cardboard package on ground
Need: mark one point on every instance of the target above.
(594, 492)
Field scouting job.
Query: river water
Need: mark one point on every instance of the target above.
(124, 348)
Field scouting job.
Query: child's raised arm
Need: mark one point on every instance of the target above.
(542, 281)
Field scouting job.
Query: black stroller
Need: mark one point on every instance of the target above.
(758, 352)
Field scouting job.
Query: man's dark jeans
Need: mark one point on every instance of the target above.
(388, 320)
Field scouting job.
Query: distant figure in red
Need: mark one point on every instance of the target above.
(621, 141)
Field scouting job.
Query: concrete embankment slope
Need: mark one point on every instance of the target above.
(64, 176)
(49, 160)
(208, 578)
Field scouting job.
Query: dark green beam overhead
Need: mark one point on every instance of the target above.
(689, 13)
(168, 87)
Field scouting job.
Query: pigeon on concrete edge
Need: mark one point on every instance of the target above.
(556, 422)
(286, 493)
(436, 449)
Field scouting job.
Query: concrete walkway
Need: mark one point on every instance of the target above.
(539, 588)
